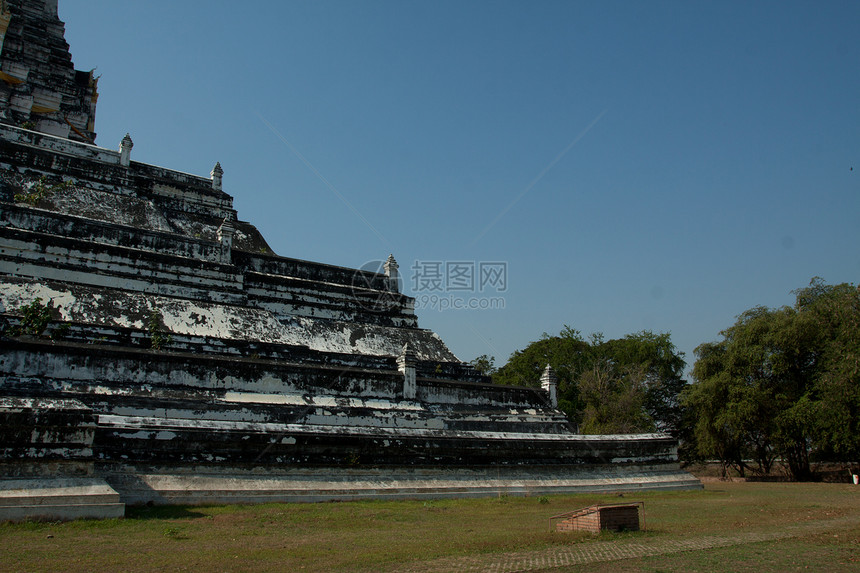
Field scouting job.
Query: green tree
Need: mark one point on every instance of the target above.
(833, 314)
(484, 364)
(731, 419)
(616, 386)
(568, 354)
(717, 433)
(613, 399)
(782, 383)
(661, 368)
(761, 379)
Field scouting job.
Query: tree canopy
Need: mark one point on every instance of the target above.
(782, 384)
(624, 385)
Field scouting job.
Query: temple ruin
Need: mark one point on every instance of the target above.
(155, 349)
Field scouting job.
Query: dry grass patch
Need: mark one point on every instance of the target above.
(382, 535)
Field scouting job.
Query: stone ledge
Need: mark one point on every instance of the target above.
(337, 484)
(58, 499)
(109, 161)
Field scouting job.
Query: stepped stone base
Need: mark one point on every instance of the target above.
(190, 486)
(51, 499)
(185, 363)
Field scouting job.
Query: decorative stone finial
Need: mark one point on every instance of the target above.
(125, 150)
(549, 382)
(391, 271)
(217, 173)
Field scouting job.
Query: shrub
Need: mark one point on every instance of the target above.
(159, 335)
(35, 318)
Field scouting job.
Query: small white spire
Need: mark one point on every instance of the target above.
(217, 174)
(549, 382)
(391, 271)
(125, 150)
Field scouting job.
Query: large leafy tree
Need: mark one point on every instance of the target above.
(613, 399)
(624, 385)
(832, 313)
(740, 382)
(568, 354)
(782, 383)
(719, 430)
(659, 366)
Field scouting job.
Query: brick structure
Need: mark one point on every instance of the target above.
(597, 518)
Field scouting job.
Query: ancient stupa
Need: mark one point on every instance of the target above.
(154, 349)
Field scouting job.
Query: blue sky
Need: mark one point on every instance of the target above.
(636, 165)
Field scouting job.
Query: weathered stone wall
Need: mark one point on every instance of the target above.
(40, 87)
(321, 387)
(45, 436)
(182, 344)
(183, 408)
(95, 307)
(100, 233)
(73, 209)
(32, 155)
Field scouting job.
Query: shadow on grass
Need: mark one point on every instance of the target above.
(162, 512)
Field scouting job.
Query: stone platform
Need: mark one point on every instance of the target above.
(215, 485)
(51, 499)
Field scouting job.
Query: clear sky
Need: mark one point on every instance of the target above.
(636, 165)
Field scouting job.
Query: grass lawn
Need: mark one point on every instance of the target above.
(433, 535)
